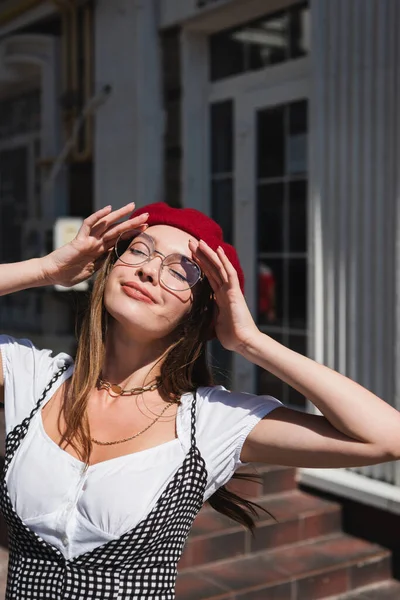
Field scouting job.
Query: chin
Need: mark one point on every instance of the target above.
(137, 320)
(128, 313)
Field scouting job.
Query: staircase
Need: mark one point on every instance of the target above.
(303, 556)
(3, 572)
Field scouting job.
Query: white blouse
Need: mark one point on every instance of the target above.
(77, 509)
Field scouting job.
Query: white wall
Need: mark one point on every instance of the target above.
(354, 218)
(129, 126)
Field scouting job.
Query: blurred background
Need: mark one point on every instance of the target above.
(280, 119)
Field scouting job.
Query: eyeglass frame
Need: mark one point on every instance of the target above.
(151, 256)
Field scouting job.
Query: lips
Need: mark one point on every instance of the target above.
(137, 291)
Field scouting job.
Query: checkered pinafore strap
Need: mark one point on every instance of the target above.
(16, 435)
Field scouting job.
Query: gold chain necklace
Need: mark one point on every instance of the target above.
(149, 409)
(117, 390)
(136, 434)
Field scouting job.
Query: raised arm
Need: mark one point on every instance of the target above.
(72, 263)
(356, 427)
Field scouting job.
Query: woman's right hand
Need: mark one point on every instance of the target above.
(80, 258)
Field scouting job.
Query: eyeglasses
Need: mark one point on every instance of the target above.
(177, 272)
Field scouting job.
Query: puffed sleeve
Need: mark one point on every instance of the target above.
(27, 371)
(224, 420)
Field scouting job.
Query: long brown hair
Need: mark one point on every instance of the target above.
(183, 369)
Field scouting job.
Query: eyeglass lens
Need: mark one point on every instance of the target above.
(178, 272)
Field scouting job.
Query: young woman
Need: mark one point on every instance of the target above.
(110, 458)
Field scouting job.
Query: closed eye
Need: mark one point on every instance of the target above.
(137, 252)
(178, 275)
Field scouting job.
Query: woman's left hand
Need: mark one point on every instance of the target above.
(234, 324)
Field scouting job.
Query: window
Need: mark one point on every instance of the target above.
(258, 44)
(282, 233)
(20, 115)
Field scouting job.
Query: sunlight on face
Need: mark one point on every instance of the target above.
(134, 295)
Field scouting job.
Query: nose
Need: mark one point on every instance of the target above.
(149, 271)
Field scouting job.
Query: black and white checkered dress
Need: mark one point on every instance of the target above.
(142, 563)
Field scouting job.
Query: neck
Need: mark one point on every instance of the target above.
(129, 361)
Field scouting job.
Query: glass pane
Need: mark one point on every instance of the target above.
(37, 185)
(267, 308)
(270, 286)
(298, 141)
(270, 224)
(222, 137)
(295, 398)
(298, 216)
(298, 117)
(13, 202)
(300, 31)
(226, 56)
(255, 45)
(297, 293)
(267, 41)
(20, 114)
(298, 343)
(221, 362)
(271, 142)
(222, 206)
(267, 383)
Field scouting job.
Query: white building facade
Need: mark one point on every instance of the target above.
(290, 138)
(278, 118)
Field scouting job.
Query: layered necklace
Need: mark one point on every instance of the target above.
(115, 390)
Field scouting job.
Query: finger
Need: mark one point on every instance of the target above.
(115, 231)
(120, 213)
(213, 261)
(101, 226)
(211, 274)
(95, 217)
(229, 268)
(211, 270)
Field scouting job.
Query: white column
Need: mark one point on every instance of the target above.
(354, 186)
(195, 121)
(56, 203)
(129, 126)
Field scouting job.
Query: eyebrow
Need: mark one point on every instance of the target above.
(164, 255)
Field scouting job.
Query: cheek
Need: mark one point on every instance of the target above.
(171, 309)
(176, 307)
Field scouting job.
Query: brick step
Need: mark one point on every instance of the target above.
(3, 572)
(387, 590)
(273, 480)
(299, 517)
(309, 571)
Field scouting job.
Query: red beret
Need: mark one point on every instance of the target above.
(196, 224)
